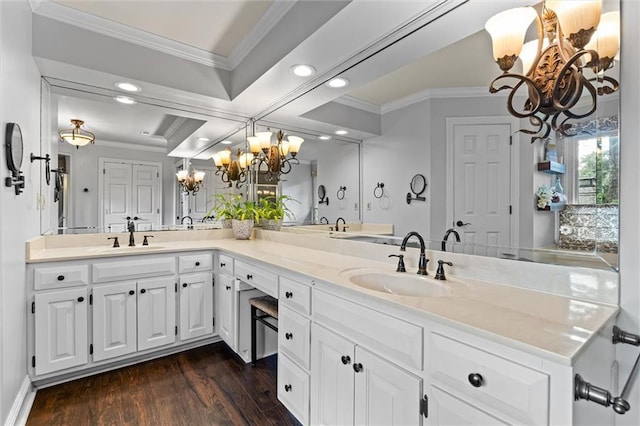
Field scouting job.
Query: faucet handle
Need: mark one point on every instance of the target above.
(145, 242)
(400, 267)
(116, 244)
(440, 272)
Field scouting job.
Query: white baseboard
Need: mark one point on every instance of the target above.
(21, 404)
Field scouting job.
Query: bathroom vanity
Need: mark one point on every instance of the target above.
(350, 351)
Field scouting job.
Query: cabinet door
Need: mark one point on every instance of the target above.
(196, 309)
(156, 312)
(225, 309)
(447, 410)
(61, 330)
(332, 358)
(384, 393)
(114, 320)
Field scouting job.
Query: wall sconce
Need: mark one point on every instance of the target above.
(572, 37)
(76, 135)
(190, 180)
(274, 160)
(232, 170)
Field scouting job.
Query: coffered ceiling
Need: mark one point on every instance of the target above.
(231, 60)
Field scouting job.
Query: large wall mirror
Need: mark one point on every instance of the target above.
(417, 103)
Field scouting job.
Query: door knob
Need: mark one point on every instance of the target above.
(346, 359)
(288, 295)
(476, 380)
(131, 292)
(184, 285)
(287, 388)
(461, 223)
(143, 291)
(288, 336)
(357, 367)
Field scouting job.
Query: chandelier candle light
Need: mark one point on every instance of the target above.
(190, 180)
(573, 37)
(274, 160)
(76, 135)
(232, 170)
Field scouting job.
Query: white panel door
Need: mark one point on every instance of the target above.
(114, 320)
(482, 167)
(117, 196)
(332, 358)
(61, 330)
(196, 308)
(201, 202)
(145, 196)
(385, 394)
(156, 312)
(225, 297)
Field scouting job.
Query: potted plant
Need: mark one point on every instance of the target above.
(245, 215)
(273, 212)
(224, 207)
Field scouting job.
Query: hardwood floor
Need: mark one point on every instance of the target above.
(203, 386)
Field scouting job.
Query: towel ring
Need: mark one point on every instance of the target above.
(376, 193)
(341, 192)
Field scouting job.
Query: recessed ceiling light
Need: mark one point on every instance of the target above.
(303, 70)
(341, 132)
(226, 142)
(128, 87)
(125, 100)
(324, 137)
(337, 82)
(203, 139)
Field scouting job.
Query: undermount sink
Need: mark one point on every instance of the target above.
(401, 284)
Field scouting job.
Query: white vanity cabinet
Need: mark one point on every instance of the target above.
(358, 360)
(195, 293)
(225, 300)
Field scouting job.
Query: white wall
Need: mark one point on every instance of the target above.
(298, 184)
(629, 318)
(19, 218)
(337, 167)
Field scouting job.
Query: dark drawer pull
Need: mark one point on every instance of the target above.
(80, 299)
(197, 263)
(288, 336)
(287, 388)
(184, 285)
(357, 367)
(288, 295)
(60, 277)
(143, 291)
(346, 359)
(476, 380)
(249, 276)
(131, 292)
(228, 287)
(222, 265)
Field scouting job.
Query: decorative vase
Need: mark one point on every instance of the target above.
(271, 224)
(226, 223)
(242, 229)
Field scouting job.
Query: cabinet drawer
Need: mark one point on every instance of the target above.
(257, 277)
(293, 389)
(510, 388)
(445, 409)
(385, 335)
(295, 295)
(60, 276)
(131, 269)
(225, 264)
(195, 263)
(294, 336)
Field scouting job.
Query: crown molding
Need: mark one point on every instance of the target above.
(350, 101)
(451, 92)
(126, 33)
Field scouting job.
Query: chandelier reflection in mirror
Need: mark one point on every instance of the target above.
(190, 180)
(76, 135)
(274, 160)
(232, 170)
(574, 39)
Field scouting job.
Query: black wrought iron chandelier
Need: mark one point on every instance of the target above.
(573, 37)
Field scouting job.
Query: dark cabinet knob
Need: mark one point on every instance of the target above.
(287, 388)
(228, 287)
(357, 367)
(249, 276)
(143, 291)
(197, 263)
(288, 336)
(60, 277)
(80, 299)
(184, 285)
(476, 380)
(346, 359)
(131, 292)
(288, 295)
(222, 265)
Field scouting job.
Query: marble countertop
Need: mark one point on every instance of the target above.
(547, 325)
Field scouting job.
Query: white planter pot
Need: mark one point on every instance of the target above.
(242, 228)
(271, 224)
(226, 223)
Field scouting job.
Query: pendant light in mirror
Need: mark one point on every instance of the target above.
(77, 136)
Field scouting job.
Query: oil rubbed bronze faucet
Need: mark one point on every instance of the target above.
(343, 224)
(131, 227)
(446, 237)
(422, 263)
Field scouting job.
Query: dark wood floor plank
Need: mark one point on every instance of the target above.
(204, 386)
